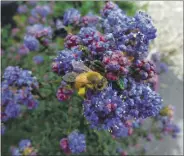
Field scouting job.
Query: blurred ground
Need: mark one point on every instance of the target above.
(172, 92)
(168, 19)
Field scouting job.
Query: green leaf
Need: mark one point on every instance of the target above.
(120, 83)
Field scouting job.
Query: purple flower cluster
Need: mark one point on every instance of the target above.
(16, 91)
(71, 16)
(24, 143)
(36, 35)
(72, 41)
(94, 41)
(75, 143)
(12, 110)
(64, 93)
(108, 8)
(116, 64)
(160, 66)
(38, 31)
(63, 62)
(37, 13)
(25, 148)
(105, 110)
(19, 77)
(38, 59)
(31, 43)
(12, 99)
(117, 128)
(32, 20)
(24, 96)
(22, 9)
(88, 35)
(142, 70)
(41, 11)
(23, 50)
(141, 100)
(167, 126)
(89, 20)
(132, 34)
(122, 33)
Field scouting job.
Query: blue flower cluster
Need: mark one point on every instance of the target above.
(17, 76)
(16, 91)
(31, 43)
(94, 41)
(23, 50)
(141, 100)
(143, 70)
(89, 20)
(63, 62)
(22, 9)
(167, 126)
(38, 59)
(71, 16)
(37, 13)
(132, 34)
(41, 11)
(105, 110)
(25, 148)
(24, 143)
(36, 35)
(77, 142)
(39, 30)
(87, 35)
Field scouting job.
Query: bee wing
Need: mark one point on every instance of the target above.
(70, 77)
(79, 66)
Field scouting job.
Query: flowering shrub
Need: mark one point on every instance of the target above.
(109, 106)
(94, 94)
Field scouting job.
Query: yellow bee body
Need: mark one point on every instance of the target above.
(90, 79)
(27, 151)
(166, 111)
(81, 80)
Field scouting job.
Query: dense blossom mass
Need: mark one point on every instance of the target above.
(141, 100)
(16, 92)
(105, 110)
(119, 56)
(75, 143)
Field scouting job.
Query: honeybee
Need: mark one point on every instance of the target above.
(91, 79)
(87, 79)
(166, 111)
